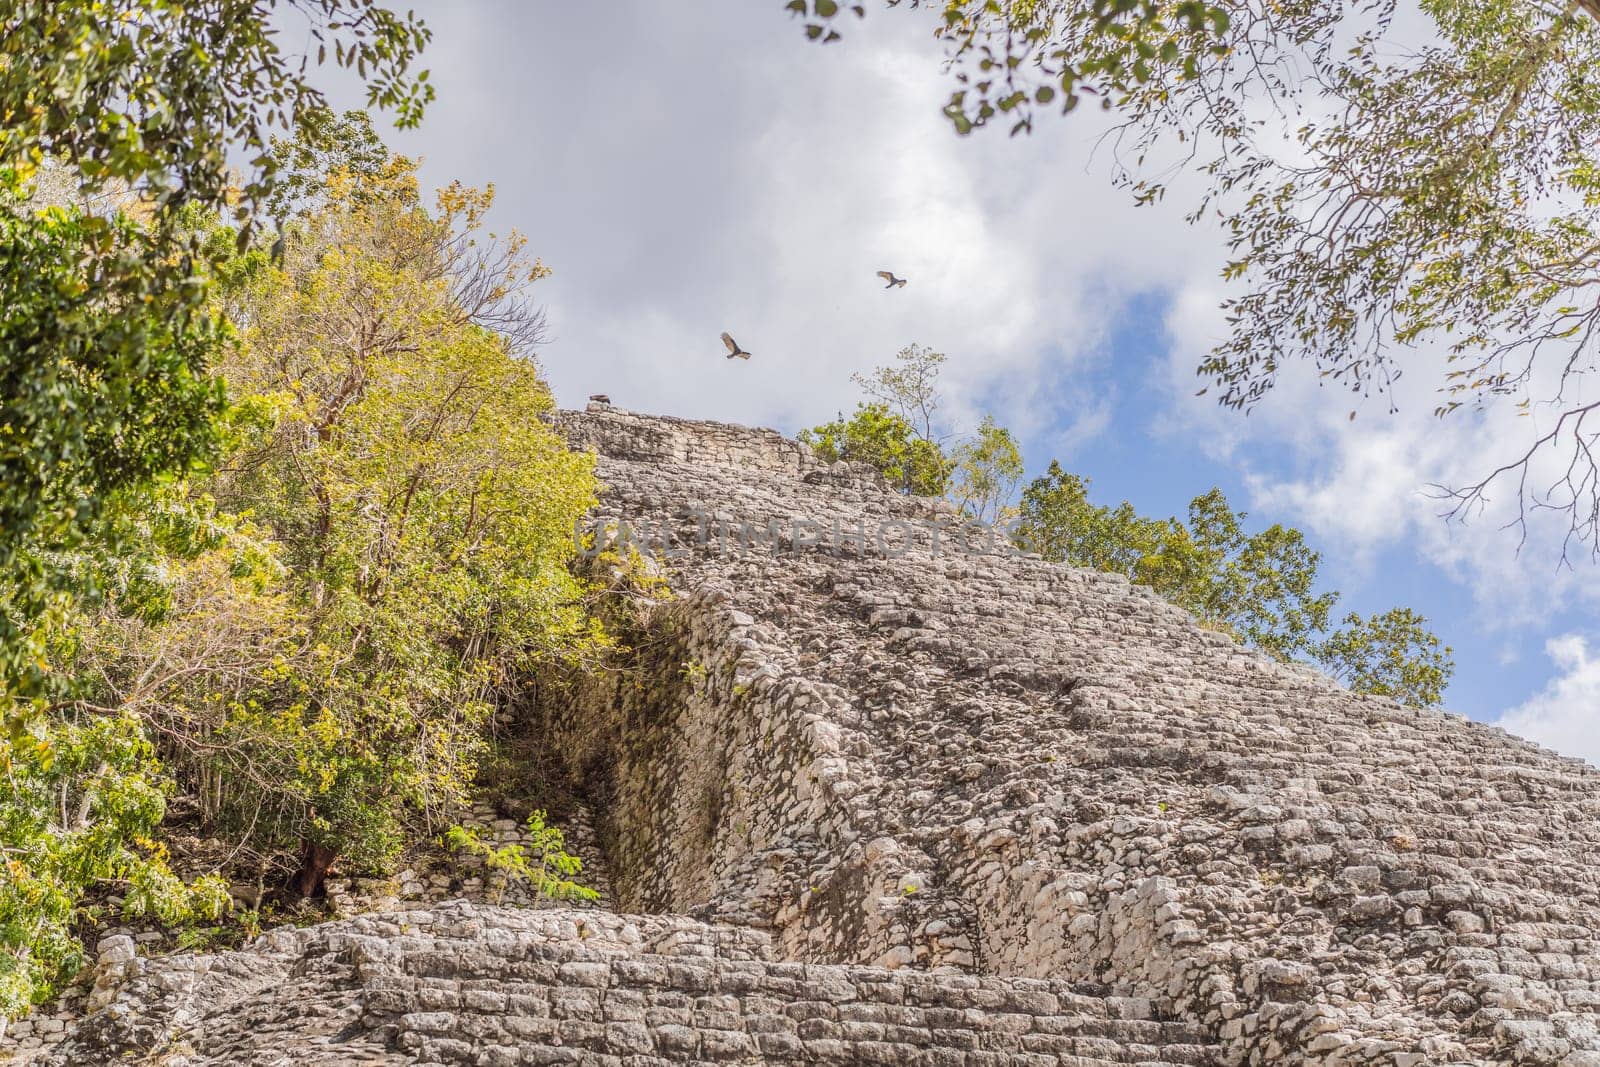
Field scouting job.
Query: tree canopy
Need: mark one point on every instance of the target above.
(1261, 587)
(108, 383)
(1388, 190)
(899, 432)
(987, 467)
(877, 436)
(309, 638)
(296, 602)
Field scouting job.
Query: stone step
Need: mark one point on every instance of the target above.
(464, 983)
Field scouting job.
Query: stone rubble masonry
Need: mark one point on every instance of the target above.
(467, 983)
(922, 803)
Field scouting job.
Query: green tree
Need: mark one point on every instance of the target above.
(104, 388)
(896, 431)
(82, 791)
(324, 145)
(1056, 520)
(174, 89)
(120, 120)
(909, 387)
(77, 801)
(1393, 654)
(1261, 587)
(108, 339)
(877, 436)
(1386, 189)
(987, 468)
(422, 508)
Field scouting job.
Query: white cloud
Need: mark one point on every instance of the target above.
(1565, 714)
(688, 175)
(1365, 486)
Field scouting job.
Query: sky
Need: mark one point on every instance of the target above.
(692, 168)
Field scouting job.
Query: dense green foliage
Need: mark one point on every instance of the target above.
(308, 641)
(393, 448)
(77, 806)
(1261, 587)
(119, 118)
(155, 94)
(1390, 188)
(107, 332)
(104, 388)
(1393, 654)
(988, 466)
(875, 435)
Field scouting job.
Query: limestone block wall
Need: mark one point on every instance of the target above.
(725, 792)
(666, 441)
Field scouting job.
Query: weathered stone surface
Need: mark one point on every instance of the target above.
(975, 808)
(466, 983)
(891, 747)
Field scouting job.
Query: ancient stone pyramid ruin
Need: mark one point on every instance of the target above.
(871, 792)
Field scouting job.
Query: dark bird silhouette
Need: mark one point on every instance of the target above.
(734, 351)
(891, 282)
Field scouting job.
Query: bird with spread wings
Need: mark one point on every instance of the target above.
(734, 351)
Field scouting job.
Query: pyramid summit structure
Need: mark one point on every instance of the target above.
(873, 787)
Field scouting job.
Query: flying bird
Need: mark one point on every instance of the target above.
(891, 282)
(734, 351)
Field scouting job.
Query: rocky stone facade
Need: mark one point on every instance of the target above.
(462, 983)
(896, 746)
(972, 807)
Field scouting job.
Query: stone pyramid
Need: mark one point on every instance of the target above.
(874, 788)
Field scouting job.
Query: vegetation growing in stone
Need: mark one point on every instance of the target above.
(542, 861)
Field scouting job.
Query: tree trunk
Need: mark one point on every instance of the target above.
(314, 863)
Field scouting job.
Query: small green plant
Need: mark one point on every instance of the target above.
(541, 861)
(694, 672)
(200, 938)
(157, 893)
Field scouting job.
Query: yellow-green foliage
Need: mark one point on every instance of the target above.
(310, 639)
(394, 453)
(543, 861)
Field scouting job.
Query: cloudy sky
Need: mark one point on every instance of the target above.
(693, 168)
